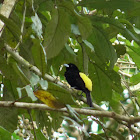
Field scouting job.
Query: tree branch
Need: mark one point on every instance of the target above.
(125, 74)
(5, 10)
(22, 61)
(95, 113)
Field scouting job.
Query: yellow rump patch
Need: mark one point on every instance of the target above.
(87, 81)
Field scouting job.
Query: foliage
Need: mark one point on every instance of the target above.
(93, 34)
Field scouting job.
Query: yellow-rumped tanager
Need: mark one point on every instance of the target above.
(79, 81)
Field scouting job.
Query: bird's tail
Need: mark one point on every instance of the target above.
(89, 100)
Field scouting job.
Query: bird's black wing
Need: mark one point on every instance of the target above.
(75, 80)
(79, 83)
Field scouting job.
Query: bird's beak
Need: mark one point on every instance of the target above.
(66, 65)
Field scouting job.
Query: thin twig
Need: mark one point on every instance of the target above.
(124, 109)
(127, 67)
(102, 125)
(132, 63)
(125, 74)
(22, 26)
(131, 94)
(137, 102)
(29, 111)
(129, 126)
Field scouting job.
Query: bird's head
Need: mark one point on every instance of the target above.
(71, 66)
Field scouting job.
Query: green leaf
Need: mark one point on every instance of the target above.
(95, 137)
(56, 119)
(8, 38)
(73, 114)
(115, 79)
(115, 102)
(46, 6)
(103, 47)
(43, 120)
(85, 26)
(74, 29)
(12, 26)
(134, 11)
(4, 134)
(34, 79)
(135, 79)
(51, 120)
(137, 94)
(8, 118)
(1, 77)
(134, 52)
(40, 135)
(6, 69)
(119, 27)
(25, 47)
(30, 93)
(37, 25)
(136, 30)
(88, 44)
(57, 32)
(103, 82)
(117, 134)
(112, 4)
(64, 57)
(19, 92)
(77, 125)
(43, 84)
(120, 49)
(20, 74)
(16, 137)
(69, 49)
(84, 23)
(62, 95)
(115, 105)
(12, 72)
(10, 92)
(39, 56)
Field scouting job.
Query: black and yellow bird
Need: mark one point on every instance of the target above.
(79, 81)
